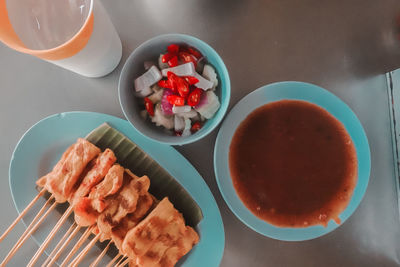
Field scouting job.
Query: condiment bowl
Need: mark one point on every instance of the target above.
(289, 91)
(150, 51)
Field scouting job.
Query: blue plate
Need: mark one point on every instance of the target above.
(275, 92)
(42, 145)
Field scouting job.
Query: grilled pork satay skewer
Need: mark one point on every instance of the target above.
(87, 208)
(127, 223)
(123, 203)
(108, 205)
(117, 185)
(80, 154)
(22, 214)
(96, 172)
(56, 168)
(66, 166)
(142, 199)
(61, 180)
(132, 196)
(59, 244)
(124, 226)
(100, 168)
(163, 245)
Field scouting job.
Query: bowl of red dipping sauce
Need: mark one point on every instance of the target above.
(292, 161)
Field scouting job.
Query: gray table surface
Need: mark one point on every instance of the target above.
(343, 46)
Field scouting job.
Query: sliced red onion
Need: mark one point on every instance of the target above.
(160, 119)
(186, 69)
(210, 74)
(181, 109)
(149, 78)
(211, 107)
(166, 107)
(203, 82)
(179, 123)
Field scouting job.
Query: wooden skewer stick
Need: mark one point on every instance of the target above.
(113, 260)
(53, 232)
(98, 259)
(77, 246)
(120, 260)
(65, 236)
(22, 214)
(21, 242)
(85, 251)
(35, 219)
(125, 262)
(58, 254)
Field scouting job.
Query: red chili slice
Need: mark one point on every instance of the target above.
(191, 80)
(173, 48)
(195, 127)
(194, 97)
(172, 79)
(166, 84)
(194, 52)
(149, 106)
(179, 83)
(172, 76)
(173, 62)
(166, 57)
(186, 57)
(182, 86)
(176, 100)
(163, 83)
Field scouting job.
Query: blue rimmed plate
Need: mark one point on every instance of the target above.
(42, 145)
(296, 91)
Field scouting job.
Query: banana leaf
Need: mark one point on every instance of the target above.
(162, 184)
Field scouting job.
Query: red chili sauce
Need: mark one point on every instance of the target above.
(293, 164)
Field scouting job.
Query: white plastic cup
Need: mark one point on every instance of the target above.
(93, 50)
